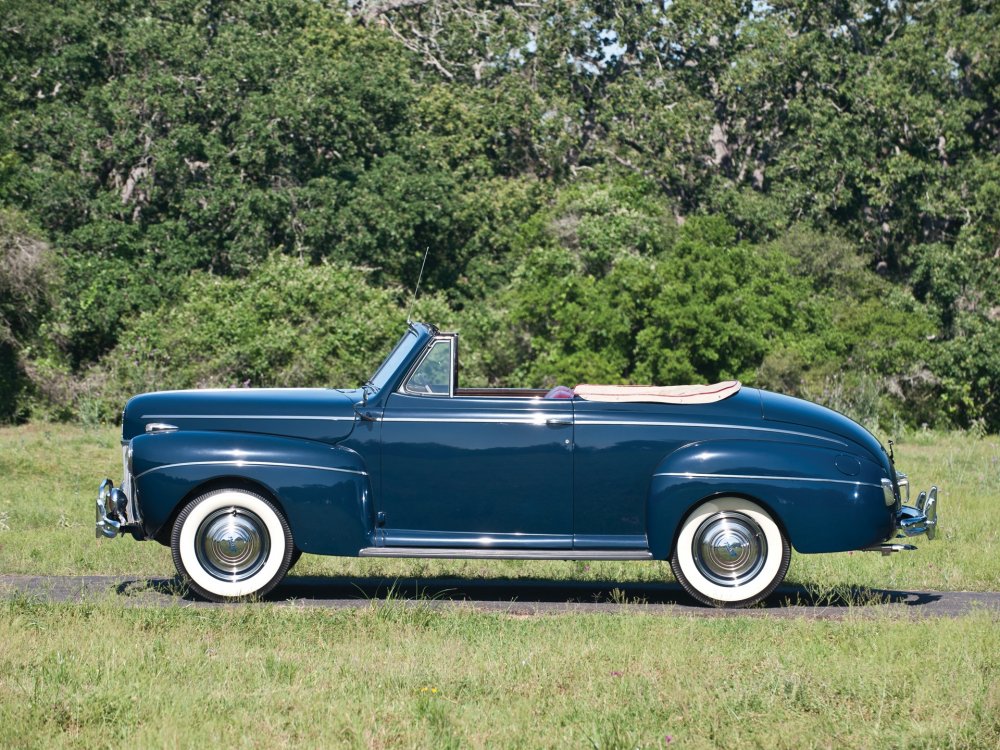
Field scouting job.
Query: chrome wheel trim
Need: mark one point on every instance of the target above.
(729, 549)
(774, 562)
(190, 564)
(232, 544)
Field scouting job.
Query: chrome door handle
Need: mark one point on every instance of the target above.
(556, 421)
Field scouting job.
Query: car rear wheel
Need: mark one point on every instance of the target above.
(231, 544)
(730, 553)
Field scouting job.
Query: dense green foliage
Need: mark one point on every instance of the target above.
(802, 195)
(24, 287)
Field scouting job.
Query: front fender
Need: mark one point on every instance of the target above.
(826, 500)
(323, 490)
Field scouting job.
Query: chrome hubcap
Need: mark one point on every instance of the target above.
(729, 549)
(232, 544)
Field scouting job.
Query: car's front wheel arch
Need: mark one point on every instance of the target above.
(216, 483)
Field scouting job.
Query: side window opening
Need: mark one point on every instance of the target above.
(432, 377)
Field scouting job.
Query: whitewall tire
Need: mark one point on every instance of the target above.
(230, 544)
(730, 553)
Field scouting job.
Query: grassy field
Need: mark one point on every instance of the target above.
(395, 674)
(50, 476)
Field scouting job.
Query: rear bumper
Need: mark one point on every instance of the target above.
(920, 518)
(911, 520)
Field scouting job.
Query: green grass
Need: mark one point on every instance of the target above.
(391, 675)
(51, 474)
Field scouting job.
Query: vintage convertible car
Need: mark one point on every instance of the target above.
(721, 480)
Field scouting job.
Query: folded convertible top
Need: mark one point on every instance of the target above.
(671, 394)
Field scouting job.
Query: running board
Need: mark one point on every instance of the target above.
(506, 554)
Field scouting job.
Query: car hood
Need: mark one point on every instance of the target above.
(789, 410)
(310, 413)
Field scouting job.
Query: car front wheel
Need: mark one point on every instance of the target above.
(230, 544)
(730, 553)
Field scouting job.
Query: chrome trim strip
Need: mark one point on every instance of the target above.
(691, 475)
(244, 416)
(636, 423)
(452, 380)
(505, 554)
(154, 427)
(251, 463)
(133, 516)
(233, 389)
(469, 420)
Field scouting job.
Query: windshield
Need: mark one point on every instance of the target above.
(399, 353)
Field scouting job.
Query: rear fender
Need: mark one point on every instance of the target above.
(323, 490)
(825, 500)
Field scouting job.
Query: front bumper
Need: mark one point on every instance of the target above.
(117, 507)
(110, 507)
(113, 513)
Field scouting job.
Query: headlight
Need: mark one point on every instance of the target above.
(119, 502)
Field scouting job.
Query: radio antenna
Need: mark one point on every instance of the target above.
(416, 289)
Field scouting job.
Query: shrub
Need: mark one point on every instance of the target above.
(287, 324)
(25, 282)
(705, 307)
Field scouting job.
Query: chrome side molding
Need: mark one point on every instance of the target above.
(505, 554)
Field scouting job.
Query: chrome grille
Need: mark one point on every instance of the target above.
(128, 486)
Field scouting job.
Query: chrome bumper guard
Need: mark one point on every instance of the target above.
(911, 520)
(914, 520)
(112, 511)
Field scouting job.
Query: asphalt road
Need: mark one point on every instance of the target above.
(512, 596)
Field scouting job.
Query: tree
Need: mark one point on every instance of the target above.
(25, 279)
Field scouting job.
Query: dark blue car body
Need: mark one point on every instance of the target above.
(430, 469)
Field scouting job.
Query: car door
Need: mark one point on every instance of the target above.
(473, 471)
